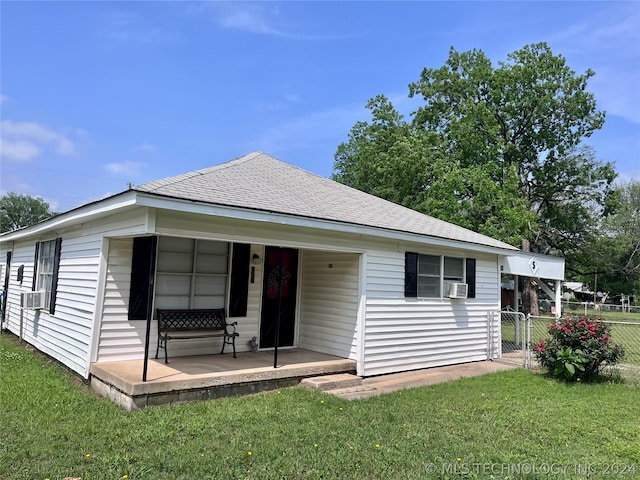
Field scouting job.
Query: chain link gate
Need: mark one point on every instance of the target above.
(510, 338)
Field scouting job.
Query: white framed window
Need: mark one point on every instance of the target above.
(45, 277)
(191, 273)
(428, 276)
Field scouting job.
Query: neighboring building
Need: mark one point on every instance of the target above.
(364, 279)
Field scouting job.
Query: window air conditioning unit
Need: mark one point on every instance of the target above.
(458, 290)
(32, 300)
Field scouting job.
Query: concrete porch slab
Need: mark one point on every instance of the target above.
(209, 376)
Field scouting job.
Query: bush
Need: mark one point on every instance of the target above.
(578, 349)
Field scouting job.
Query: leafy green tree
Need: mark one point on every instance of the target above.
(403, 156)
(18, 211)
(406, 164)
(612, 262)
(502, 148)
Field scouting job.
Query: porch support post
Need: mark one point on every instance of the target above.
(152, 272)
(516, 280)
(557, 295)
(146, 350)
(558, 299)
(275, 343)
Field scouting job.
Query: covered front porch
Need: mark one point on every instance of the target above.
(310, 296)
(203, 377)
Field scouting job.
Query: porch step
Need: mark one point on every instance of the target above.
(332, 382)
(354, 393)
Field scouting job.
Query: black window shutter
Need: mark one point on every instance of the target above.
(54, 278)
(410, 274)
(239, 294)
(471, 277)
(143, 264)
(5, 291)
(35, 268)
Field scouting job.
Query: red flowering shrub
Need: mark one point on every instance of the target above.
(578, 348)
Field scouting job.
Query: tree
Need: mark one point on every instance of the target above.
(18, 211)
(612, 262)
(502, 147)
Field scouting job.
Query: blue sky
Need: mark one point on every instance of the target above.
(95, 95)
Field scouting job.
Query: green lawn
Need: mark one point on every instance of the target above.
(52, 427)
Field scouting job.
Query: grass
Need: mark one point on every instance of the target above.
(52, 427)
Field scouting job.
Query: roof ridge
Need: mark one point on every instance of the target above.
(373, 197)
(236, 161)
(259, 181)
(175, 179)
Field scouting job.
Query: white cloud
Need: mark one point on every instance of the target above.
(314, 129)
(618, 92)
(131, 27)
(24, 141)
(279, 104)
(125, 169)
(263, 18)
(53, 204)
(607, 43)
(20, 151)
(254, 18)
(17, 184)
(325, 127)
(146, 147)
(292, 97)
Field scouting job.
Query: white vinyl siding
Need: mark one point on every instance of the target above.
(248, 326)
(123, 339)
(120, 339)
(397, 333)
(412, 333)
(329, 303)
(66, 335)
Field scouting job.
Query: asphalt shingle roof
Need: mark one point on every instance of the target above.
(258, 181)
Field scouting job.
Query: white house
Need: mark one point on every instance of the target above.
(366, 279)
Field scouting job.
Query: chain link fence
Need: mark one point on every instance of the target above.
(596, 309)
(625, 330)
(512, 336)
(514, 339)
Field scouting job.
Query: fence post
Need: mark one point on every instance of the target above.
(526, 349)
(490, 335)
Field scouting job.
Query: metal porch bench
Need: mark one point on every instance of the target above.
(198, 323)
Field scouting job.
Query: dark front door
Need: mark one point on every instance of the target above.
(279, 296)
